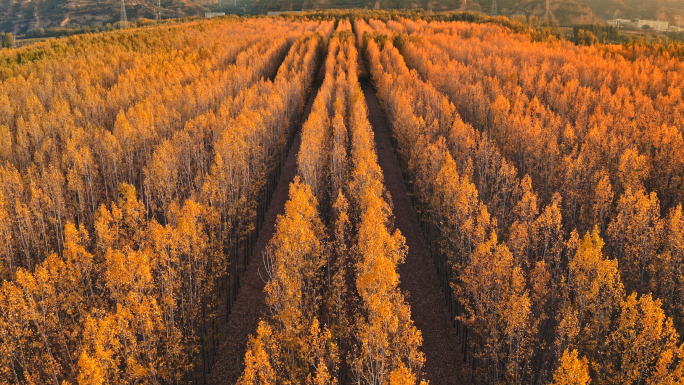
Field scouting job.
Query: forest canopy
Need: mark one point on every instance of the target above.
(545, 177)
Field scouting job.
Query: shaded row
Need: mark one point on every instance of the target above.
(524, 295)
(337, 314)
(133, 295)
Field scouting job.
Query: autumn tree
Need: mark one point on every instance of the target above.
(643, 344)
(593, 294)
(295, 258)
(572, 370)
(636, 235)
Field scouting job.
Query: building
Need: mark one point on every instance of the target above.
(209, 15)
(660, 26)
(620, 23)
(276, 13)
(674, 28)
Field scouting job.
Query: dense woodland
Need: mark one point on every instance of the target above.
(548, 177)
(341, 184)
(136, 167)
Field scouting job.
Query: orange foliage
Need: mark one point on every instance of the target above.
(131, 294)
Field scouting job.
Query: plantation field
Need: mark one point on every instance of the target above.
(341, 197)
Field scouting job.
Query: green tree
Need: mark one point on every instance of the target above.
(7, 40)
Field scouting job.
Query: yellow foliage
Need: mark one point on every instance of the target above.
(572, 370)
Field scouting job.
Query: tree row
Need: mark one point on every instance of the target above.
(133, 295)
(337, 315)
(63, 161)
(603, 174)
(527, 299)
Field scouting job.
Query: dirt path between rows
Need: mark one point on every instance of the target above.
(251, 302)
(418, 276)
(441, 345)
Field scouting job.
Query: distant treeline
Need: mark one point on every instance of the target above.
(603, 33)
(69, 30)
(75, 29)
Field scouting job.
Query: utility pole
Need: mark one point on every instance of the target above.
(158, 9)
(124, 20)
(548, 19)
(494, 10)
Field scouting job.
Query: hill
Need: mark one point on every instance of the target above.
(19, 16)
(582, 11)
(637, 9)
(565, 12)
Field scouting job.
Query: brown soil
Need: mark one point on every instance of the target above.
(419, 282)
(251, 302)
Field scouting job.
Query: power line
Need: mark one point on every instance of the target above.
(124, 19)
(494, 10)
(548, 19)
